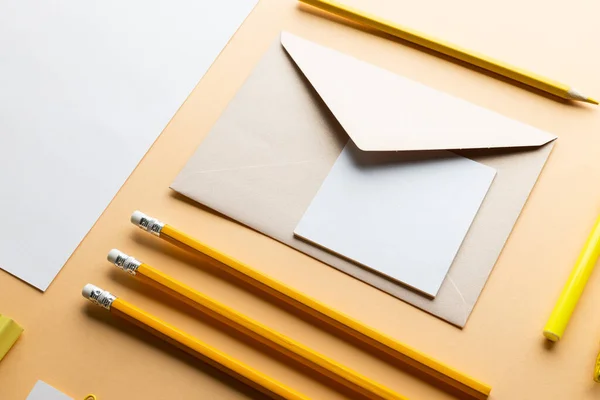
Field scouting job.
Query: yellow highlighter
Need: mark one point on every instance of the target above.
(557, 323)
(597, 369)
(9, 333)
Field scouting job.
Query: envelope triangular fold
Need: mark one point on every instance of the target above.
(382, 111)
(272, 148)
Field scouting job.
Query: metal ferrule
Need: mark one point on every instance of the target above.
(103, 298)
(151, 225)
(127, 263)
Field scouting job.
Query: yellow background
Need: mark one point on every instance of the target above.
(79, 349)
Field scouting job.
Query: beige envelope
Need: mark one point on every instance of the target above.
(268, 154)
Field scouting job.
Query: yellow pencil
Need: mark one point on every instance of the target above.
(557, 323)
(439, 373)
(190, 345)
(449, 49)
(360, 385)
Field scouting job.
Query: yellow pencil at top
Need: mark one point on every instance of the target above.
(557, 323)
(480, 60)
(596, 375)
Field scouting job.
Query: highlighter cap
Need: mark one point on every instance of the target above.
(10, 331)
(551, 336)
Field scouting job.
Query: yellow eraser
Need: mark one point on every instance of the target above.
(9, 333)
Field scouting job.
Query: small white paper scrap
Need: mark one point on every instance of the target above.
(43, 391)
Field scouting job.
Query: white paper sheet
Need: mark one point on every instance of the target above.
(43, 391)
(403, 214)
(85, 89)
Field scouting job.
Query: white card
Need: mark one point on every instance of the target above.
(402, 214)
(86, 87)
(43, 391)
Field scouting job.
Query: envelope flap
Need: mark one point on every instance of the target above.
(382, 111)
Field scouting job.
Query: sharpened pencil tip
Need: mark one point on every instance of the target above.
(593, 101)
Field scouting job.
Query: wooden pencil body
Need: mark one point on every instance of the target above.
(204, 352)
(439, 373)
(336, 372)
(443, 47)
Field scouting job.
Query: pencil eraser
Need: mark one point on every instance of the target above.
(137, 216)
(10, 331)
(88, 290)
(113, 255)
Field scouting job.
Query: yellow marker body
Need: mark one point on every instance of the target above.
(597, 369)
(449, 49)
(359, 384)
(557, 323)
(441, 374)
(10, 331)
